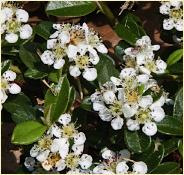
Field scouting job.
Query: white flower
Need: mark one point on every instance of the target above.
(34, 151)
(78, 149)
(29, 163)
(26, 31)
(64, 37)
(97, 106)
(145, 101)
(107, 153)
(168, 24)
(139, 167)
(47, 57)
(157, 114)
(60, 165)
(9, 75)
(132, 125)
(85, 161)
(58, 64)
(129, 111)
(117, 123)
(42, 156)
(109, 96)
(6, 14)
(11, 37)
(74, 71)
(122, 167)
(79, 138)
(14, 88)
(51, 43)
(54, 130)
(22, 15)
(105, 114)
(101, 48)
(64, 119)
(72, 51)
(90, 74)
(149, 128)
(127, 72)
(165, 8)
(3, 96)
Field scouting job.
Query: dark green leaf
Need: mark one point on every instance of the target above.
(170, 126)
(180, 147)
(43, 29)
(170, 146)
(106, 69)
(70, 8)
(54, 76)
(137, 141)
(86, 104)
(176, 68)
(167, 168)
(178, 104)
(27, 132)
(57, 104)
(129, 29)
(5, 66)
(175, 57)
(35, 74)
(20, 108)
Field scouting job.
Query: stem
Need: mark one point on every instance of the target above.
(107, 12)
(44, 82)
(129, 160)
(80, 88)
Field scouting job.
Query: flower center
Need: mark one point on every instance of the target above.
(13, 26)
(72, 160)
(132, 96)
(59, 52)
(130, 62)
(68, 130)
(76, 36)
(116, 108)
(4, 84)
(176, 13)
(150, 65)
(82, 61)
(45, 142)
(143, 116)
(53, 158)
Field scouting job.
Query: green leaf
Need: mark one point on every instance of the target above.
(178, 104)
(175, 57)
(70, 8)
(170, 146)
(170, 126)
(57, 104)
(54, 76)
(43, 29)
(27, 132)
(129, 29)
(180, 147)
(152, 156)
(5, 66)
(137, 141)
(86, 104)
(167, 168)
(35, 74)
(20, 108)
(176, 68)
(106, 69)
(72, 96)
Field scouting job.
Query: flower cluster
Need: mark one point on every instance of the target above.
(7, 85)
(174, 9)
(132, 95)
(115, 163)
(12, 23)
(60, 148)
(80, 44)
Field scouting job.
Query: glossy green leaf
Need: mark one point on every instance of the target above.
(55, 105)
(20, 108)
(27, 132)
(178, 104)
(167, 168)
(176, 68)
(86, 104)
(180, 147)
(5, 65)
(129, 29)
(170, 126)
(137, 141)
(35, 74)
(106, 69)
(170, 146)
(54, 76)
(175, 57)
(43, 29)
(70, 8)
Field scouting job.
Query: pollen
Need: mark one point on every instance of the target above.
(82, 61)
(116, 108)
(76, 36)
(72, 160)
(68, 130)
(59, 52)
(13, 26)
(45, 142)
(176, 13)
(132, 96)
(4, 84)
(143, 116)
(53, 158)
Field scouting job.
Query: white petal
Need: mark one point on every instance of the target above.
(6, 14)
(168, 24)
(97, 106)
(96, 97)
(64, 149)
(150, 128)
(54, 35)
(3, 96)
(165, 8)
(121, 94)
(101, 48)
(58, 64)
(175, 3)
(3, 28)
(145, 40)
(51, 43)
(9, 75)
(79, 138)
(83, 48)
(11, 37)
(105, 115)
(60, 165)
(143, 78)
(64, 119)
(47, 57)
(159, 102)
(179, 25)
(117, 123)
(57, 26)
(26, 31)
(78, 149)
(155, 47)
(74, 71)
(22, 15)
(34, 151)
(161, 66)
(144, 70)
(116, 81)
(124, 154)
(85, 161)
(55, 145)
(72, 51)
(129, 51)
(94, 58)
(122, 167)
(157, 114)
(29, 163)
(14, 88)
(64, 37)
(109, 97)
(129, 111)
(46, 165)
(108, 154)
(55, 131)
(145, 101)
(90, 74)
(42, 156)
(132, 125)
(140, 167)
(127, 72)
